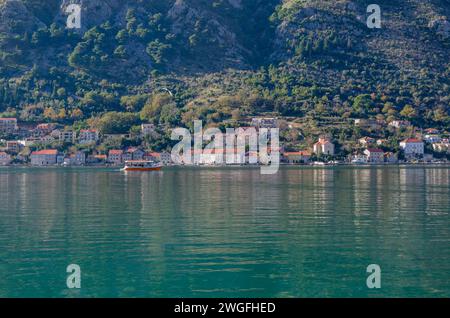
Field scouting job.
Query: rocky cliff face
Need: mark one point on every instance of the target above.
(325, 43)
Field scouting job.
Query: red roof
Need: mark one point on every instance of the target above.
(153, 154)
(133, 149)
(298, 153)
(115, 152)
(2, 153)
(323, 142)
(8, 119)
(49, 152)
(412, 140)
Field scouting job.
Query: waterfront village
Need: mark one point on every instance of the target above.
(35, 145)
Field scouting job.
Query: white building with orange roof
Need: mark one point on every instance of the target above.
(44, 157)
(115, 156)
(296, 157)
(413, 147)
(324, 147)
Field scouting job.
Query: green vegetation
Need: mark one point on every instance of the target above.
(304, 59)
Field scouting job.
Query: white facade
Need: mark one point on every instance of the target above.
(413, 147)
(324, 147)
(374, 155)
(115, 156)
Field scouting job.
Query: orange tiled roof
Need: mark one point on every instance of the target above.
(298, 153)
(46, 152)
(116, 152)
(412, 140)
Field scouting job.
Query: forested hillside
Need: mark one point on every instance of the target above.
(224, 59)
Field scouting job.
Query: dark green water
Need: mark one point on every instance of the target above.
(225, 232)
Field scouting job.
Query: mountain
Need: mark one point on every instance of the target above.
(294, 57)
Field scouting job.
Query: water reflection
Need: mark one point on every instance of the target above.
(225, 232)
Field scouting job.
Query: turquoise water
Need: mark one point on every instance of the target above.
(229, 232)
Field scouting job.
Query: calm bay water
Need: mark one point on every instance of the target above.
(229, 232)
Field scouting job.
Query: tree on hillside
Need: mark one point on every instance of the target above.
(152, 109)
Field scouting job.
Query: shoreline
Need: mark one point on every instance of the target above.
(366, 165)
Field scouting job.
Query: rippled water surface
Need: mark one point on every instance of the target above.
(228, 232)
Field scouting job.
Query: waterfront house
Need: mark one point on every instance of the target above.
(162, 157)
(68, 136)
(324, 146)
(96, 159)
(400, 124)
(151, 156)
(296, 157)
(88, 136)
(413, 148)
(79, 158)
(134, 154)
(44, 157)
(8, 125)
(359, 159)
(115, 156)
(76, 159)
(374, 155)
(60, 159)
(5, 159)
(126, 156)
